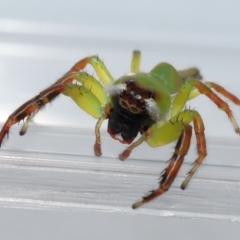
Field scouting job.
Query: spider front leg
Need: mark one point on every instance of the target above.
(30, 108)
(63, 85)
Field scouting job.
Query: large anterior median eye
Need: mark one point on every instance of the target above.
(134, 109)
(123, 104)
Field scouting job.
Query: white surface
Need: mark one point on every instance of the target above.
(95, 225)
(52, 174)
(61, 190)
(59, 173)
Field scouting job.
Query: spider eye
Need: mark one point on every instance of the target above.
(134, 109)
(123, 104)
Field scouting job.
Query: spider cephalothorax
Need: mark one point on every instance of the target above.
(152, 104)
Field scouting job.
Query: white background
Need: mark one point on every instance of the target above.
(39, 41)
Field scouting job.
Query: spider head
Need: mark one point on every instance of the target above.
(133, 109)
(134, 101)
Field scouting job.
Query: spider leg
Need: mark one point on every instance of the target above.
(125, 154)
(192, 87)
(201, 147)
(135, 63)
(224, 92)
(221, 90)
(190, 72)
(90, 89)
(173, 167)
(90, 96)
(162, 133)
(97, 145)
(25, 124)
(30, 108)
(203, 89)
(92, 84)
(97, 65)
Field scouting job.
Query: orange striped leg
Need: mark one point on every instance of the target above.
(203, 89)
(70, 75)
(224, 92)
(31, 107)
(96, 63)
(173, 167)
(201, 146)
